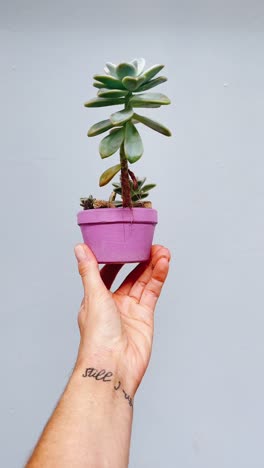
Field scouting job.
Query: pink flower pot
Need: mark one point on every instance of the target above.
(118, 235)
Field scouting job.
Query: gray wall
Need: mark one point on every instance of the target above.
(201, 402)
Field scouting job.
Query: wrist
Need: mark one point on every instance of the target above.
(112, 359)
(103, 379)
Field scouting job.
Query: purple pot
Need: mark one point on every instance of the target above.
(118, 235)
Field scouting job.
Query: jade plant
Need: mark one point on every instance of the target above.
(125, 84)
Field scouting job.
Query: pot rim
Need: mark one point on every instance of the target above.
(118, 215)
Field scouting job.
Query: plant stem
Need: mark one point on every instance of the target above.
(125, 185)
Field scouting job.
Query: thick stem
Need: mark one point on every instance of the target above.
(125, 185)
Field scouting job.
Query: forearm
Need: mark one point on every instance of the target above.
(91, 425)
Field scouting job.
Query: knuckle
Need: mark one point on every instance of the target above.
(142, 283)
(152, 292)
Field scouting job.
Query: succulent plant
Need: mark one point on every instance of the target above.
(126, 84)
(138, 190)
(87, 203)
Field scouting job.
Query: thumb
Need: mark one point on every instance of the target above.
(88, 269)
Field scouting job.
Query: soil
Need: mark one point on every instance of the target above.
(107, 204)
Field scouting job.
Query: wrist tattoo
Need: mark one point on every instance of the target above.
(98, 375)
(105, 376)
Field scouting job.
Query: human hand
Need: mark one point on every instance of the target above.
(117, 328)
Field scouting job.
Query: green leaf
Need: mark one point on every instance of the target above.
(147, 105)
(125, 69)
(150, 84)
(118, 191)
(122, 116)
(111, 68)
(139, 64)
(109, 81)
(141, 182)
(100, 127)
(133, 144)
(96, 84)
(139, 197)
(113, 93)
(109, 174)
(132, 83)
(158, 127)
(151, 72)
(101, 102)
(147, 187)
(111, 143)
(114, 129)
(149, 99)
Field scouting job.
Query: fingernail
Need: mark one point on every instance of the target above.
(80, 253)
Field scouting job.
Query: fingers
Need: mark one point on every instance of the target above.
(109, 273)
(133, 276)
(88, 269)
(136, 281)
(154, 286)
(144, 283)
(138, 287)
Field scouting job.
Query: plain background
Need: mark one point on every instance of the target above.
(201, 402)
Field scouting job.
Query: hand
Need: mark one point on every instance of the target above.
(117, 328)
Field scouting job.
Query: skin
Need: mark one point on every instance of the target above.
(91, 425)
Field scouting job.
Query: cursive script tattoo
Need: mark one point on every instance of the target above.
(127, 397)
(118, 386)
(98, 375)
(106, 377)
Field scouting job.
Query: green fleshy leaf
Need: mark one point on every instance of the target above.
(114, 129)
(96, 84)
(111, 143)
(139, 197)
(146, 105)
(141, 182)
(118, 191)
(111, 69)
(152, 83)
(100, 127)
(148, 187)
(158, 127)
(119, 118)
(109, 81)
(133, 144)
(101, 102)
(146, 99)
(125, 69)
(139, 64)
(113, 93)
(133, 83)
(151, 72)
(109, 174)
